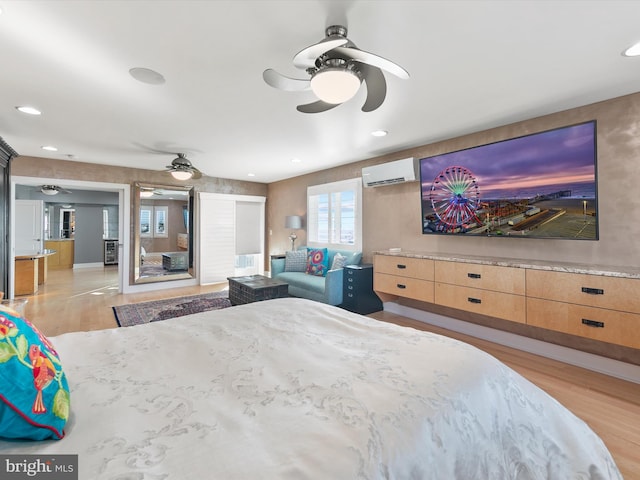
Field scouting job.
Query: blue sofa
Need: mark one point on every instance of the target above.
(321, 289)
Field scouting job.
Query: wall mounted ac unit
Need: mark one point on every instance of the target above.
(390, 173)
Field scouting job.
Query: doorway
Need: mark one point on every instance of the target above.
(124, 202)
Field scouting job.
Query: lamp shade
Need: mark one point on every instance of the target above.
(293, 221)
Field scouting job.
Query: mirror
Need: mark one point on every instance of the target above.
(163, 233)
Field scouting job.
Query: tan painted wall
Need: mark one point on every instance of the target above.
(392, 214)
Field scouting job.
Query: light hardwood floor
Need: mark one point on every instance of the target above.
(75, 300)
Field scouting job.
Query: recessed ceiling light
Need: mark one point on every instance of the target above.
(632, 51)
(295, 160)
(29, 110)
(251, 175)
(379, 133)
(49, 148)
(146, 75)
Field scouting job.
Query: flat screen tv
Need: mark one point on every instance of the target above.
(536, 186)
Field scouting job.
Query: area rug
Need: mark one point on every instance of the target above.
(156, 310)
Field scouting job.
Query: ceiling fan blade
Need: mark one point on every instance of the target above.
(196, 173)
(306, 57)
(376, 87)
(374, 60)
(166, 148)
(316, 107)
(281, 82)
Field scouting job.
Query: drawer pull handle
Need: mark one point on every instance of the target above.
(350, 279)
(474, 300)
(350, 287)
(593, 291)
(474, 275)
(401, 266)
(399, 285)
(592, 323)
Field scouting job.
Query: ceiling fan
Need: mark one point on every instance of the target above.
(53, 190)
(337, 68)
(182, 169)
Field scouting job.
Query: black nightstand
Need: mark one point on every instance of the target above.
(357, 290)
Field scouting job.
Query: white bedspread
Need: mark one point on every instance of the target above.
(293, 389)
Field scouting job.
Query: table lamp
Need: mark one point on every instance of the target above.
(294, 222)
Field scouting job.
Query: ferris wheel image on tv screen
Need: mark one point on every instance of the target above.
(455, 197)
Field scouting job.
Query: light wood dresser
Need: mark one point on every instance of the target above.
(597, 303)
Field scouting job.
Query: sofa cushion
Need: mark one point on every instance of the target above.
(317, 261)
(301, 280)
(295, 261)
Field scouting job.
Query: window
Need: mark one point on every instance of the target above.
(334, 215)
(105, 223)
(160, 225)
(153, 221)
(145, 221)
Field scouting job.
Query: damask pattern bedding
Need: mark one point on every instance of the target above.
(294, 389)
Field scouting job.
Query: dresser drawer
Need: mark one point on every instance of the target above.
(487, 277)
(407, 267)
(484, 302)
(590, 290)
(609, 326)
(403, 286)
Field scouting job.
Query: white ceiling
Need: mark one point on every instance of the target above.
(473, 65)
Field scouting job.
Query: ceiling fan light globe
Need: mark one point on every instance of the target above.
(335, 85)
(181, 174)
(49, 190)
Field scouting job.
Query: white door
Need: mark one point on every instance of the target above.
(231, 229)
(217, 238)
(29, 218)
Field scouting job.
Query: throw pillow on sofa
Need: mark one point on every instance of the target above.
(295, 261)
(317, 261)
(339, 261)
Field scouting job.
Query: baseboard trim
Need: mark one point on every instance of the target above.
(87, 265)
(589, 361)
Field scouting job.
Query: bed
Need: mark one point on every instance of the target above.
(295, 389)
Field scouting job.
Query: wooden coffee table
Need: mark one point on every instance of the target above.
(255, 288)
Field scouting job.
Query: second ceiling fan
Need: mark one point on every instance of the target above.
(337, 68)
(181, 168)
